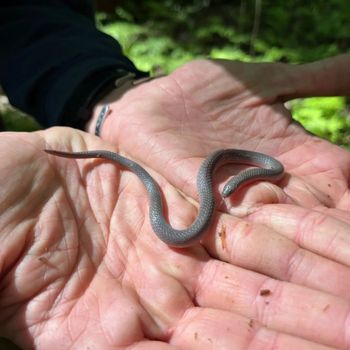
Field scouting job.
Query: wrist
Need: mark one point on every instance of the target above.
(100, 112)
(121, 87)
(78, 108)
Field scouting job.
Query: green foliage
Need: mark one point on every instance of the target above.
(325, 117)
(298, 31)
(149, 52)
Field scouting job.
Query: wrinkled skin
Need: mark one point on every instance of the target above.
(81, 268)
(173, 122)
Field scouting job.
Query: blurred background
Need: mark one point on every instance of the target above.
(162, 35)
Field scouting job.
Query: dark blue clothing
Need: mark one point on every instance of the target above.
(54, 63)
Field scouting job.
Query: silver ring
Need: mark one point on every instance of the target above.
(101, 118)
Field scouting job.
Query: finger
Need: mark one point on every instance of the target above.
(310, 229)
(241, 202)
(202, 328)
(280, 306)
(259, 248)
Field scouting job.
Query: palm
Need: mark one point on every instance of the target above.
(172, 123)
(82, 266)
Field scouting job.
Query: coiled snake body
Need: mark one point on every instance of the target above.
(266, 168)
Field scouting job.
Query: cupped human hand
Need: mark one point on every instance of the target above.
(81, 268)
(173, 122)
